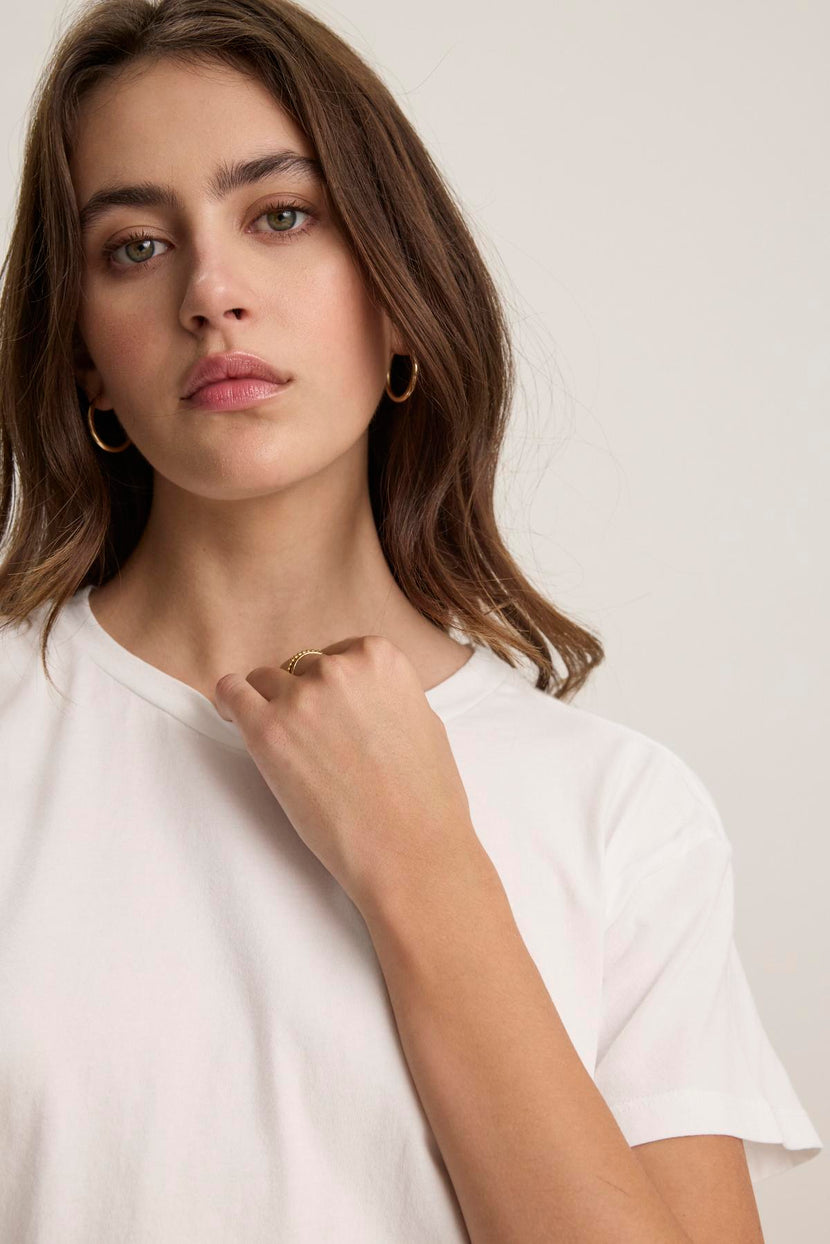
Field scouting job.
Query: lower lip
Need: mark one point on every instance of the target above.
(235, 394)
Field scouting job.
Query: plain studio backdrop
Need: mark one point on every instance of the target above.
(649, 183)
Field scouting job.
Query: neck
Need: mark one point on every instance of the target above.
(217, 586)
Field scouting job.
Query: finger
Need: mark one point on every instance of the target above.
(270, 680)
(312, 658)
(304, 664)
(236, 699)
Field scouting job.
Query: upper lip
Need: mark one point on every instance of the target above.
(235, 364)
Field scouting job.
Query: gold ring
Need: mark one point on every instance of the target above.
(303, 653)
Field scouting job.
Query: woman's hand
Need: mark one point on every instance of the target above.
(359, 762)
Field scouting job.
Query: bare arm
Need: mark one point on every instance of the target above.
(533, 1152)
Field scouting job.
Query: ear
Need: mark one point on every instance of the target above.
(395, 343)
(398, 345)
(87, 375)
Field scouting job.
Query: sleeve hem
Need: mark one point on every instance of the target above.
(776, 1138)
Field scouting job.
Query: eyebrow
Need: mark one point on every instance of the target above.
(226, 178)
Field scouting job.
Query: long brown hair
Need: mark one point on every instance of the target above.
(71, 514)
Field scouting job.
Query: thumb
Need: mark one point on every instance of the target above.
(227, 694)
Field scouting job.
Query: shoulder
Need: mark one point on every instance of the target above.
(19, 642)
(647, 799)
(21, 664)
(631, 762)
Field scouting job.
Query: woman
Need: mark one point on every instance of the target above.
(319, 921)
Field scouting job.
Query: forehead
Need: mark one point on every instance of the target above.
(165, 121)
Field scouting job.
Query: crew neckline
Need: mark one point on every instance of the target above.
(77, 625)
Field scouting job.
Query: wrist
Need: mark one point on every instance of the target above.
(417, 895)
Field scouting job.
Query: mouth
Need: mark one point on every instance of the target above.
(235, 394)
(231, 366)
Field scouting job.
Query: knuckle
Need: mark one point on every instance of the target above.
(379, 648)
(333, 665)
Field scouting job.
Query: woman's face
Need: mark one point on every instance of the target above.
(150, 309)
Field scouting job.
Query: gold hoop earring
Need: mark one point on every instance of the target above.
(111, 449)
(414, 376)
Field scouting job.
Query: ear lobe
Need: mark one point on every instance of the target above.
(81, 357)
(397, 345)
(87, 377)
(81, 361)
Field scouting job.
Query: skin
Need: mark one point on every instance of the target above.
(261, 539)
(261, 542)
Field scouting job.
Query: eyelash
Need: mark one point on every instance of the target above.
(142, 235)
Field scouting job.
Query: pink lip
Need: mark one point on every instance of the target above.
(234, 394)
(230, 365)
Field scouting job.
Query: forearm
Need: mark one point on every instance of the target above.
(533, 1152)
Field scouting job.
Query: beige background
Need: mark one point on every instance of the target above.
(650, 185)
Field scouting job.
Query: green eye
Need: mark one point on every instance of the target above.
(139, 256)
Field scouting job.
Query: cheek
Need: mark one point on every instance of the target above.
(339, 336)
(125, 338)
(117, 348)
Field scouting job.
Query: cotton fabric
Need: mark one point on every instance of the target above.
(196, 1042)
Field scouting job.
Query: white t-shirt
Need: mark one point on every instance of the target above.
(196, 1042)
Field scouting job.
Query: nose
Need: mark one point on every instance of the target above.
(201, 321)
(215, 295)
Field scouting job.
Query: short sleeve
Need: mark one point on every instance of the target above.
(682, 1050)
